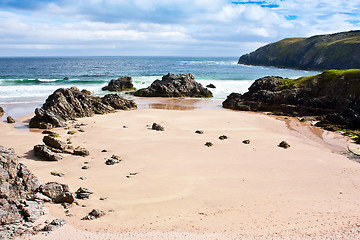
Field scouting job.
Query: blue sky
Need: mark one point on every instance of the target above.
(164, 27)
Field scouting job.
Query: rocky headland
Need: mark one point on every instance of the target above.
(67, 104)
(332, 96)
(174, 85)
(322, 52)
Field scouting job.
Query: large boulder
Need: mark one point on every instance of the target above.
(70, 103)
(173, 85)
(119, 85)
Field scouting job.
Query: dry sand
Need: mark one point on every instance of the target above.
(185, 190)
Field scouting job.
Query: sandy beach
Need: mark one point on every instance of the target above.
(169, 185)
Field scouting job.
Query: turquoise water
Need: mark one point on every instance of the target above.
(32, 79)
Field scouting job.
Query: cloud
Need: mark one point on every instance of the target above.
(186, 27)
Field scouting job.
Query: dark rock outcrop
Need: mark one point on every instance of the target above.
(95, 213)
(173, 85)
(333, 96)
(17, 184)
(83, 193)
(45, 153)
(210, 85)
(333, 51)
(118, 102)
(120, 84)
(1, 111)
(68, 104)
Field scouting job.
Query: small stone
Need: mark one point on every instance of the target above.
(102, 199)
(208, 144)
(133, 174)
(223, 137)
(210, 85)
(111, 161)
(83, 193)
(71, 132)
(51, 133)
(199, 132)
(81, 152)
(57, 174)
(95, 213)
(9, 119)
(104, 150)
(65, 197)
(116, 157)
(284, 144)
(82, 178)
(125, 126)
(85, 167)
(157, 127)
(81, 130)
(247, 141)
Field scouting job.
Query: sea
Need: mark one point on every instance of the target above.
(29, 80)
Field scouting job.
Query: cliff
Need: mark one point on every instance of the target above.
(323, 52)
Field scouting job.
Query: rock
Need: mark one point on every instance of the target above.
(111, 161)
(86, 92)
(9, 119)
(54, 224)
(210, 85)
(330, 96)
(51, 133)
(57, 174)
(44, 152)
(208, 144)
(223, 137)
(55, 143)
(172, 85)
(68, 104)
(19, 206)
(83, 193)
(117, 102)
(247, 141)
(104, 150)
(66, 78)
(53, 189)
(284, 144)
(116, 157)
(85, 167)
(64, 197)
(41, 197)
(81, 152)
(157, 127)
(71, 132)
(95, 213)
(1, 111)
(119, 85)
(199, 132)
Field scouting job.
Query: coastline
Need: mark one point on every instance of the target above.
(184, 190)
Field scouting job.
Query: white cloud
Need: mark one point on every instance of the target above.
(194, 27)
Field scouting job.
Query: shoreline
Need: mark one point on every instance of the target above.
(184, 190)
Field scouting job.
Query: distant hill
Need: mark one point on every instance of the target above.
(322, 52)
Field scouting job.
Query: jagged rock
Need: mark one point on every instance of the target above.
(64, 197)
(17, 186)
(83, 193)
(41, 197)
(53, 189)
(173, 85)
(9, 119)
(51, 133)
(157, 127)
(44, 152)
(68, 104)
(1, 111)
(284, 144)
(95, 213)
(121, 84)
(210, 85)
(208, 144)
(247, 141)
(117, 102)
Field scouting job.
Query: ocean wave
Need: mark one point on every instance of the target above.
(192, 62)
(49, 81)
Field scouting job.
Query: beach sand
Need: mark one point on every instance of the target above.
(169, 185)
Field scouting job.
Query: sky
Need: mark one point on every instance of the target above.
(164, 27)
